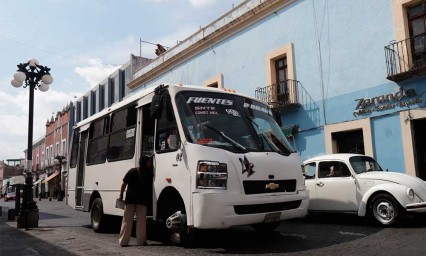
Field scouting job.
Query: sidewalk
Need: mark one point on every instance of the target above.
(14, 241)
(61, 231)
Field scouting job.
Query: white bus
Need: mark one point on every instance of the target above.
(220, 160)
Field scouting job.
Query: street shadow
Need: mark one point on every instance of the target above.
(242, 240)
(409, 220)
(113, 227)
(14, 241)
(312, 232)
(50, 216)
(42, 215)
(329, 218)
(292, 236)
(413, 220)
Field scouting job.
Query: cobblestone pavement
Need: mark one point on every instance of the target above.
(64, 231)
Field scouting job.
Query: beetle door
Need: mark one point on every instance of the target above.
(309, 173)
(335, 188)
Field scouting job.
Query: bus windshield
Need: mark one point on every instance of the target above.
(231, 122)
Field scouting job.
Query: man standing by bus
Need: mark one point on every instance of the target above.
(138, 196)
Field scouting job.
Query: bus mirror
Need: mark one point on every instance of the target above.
(169, 108)
(156, 106)
(174, 142)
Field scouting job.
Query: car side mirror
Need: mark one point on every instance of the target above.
(174, 142)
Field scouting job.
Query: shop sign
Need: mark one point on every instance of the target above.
(402, 98)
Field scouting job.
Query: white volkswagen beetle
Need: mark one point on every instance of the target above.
(356, 183)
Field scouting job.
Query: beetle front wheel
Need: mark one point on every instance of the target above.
(385, 209)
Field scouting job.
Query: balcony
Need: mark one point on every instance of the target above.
(406, 59)
(284, 95)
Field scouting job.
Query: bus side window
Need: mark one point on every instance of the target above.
(74, 148)
(98, 141)
(123, 134)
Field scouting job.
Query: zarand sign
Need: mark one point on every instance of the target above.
(402, 98)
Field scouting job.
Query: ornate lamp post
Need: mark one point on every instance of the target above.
(35, 76)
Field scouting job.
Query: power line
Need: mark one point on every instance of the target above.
(40, 49)
(51, 52)
(318, 39)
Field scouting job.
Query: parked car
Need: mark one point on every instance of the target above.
(9, 196)
(356, 183)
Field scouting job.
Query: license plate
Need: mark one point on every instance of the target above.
(272, 217)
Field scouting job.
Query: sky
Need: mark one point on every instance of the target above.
(82, 41)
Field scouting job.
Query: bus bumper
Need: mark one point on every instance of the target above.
(224, 210)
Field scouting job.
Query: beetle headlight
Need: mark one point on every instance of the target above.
(410, 194)
(212, 175)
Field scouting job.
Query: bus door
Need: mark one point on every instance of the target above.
(80, 169)
(147, 145)
(169, 161)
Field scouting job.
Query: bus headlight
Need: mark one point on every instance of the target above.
(212, 175)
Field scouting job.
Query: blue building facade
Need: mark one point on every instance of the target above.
(343, 76)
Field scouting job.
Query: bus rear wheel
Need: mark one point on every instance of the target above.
(97, 216)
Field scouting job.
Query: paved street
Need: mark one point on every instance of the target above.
(63, 231)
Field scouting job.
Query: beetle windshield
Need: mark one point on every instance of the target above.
(231, 122)
(362, 164)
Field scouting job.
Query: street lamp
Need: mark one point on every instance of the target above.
(35, 76)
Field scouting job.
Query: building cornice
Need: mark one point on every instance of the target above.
(264, 9)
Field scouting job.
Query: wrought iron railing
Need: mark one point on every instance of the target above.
(406, 58)
(282, 95)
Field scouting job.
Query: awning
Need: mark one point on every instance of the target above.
(38, 181)
(51, 176)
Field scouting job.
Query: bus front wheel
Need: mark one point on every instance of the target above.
(97, 216)
(179, 233)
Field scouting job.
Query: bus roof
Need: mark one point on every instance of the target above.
(139, 94)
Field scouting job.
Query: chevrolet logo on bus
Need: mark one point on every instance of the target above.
(272, 186)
